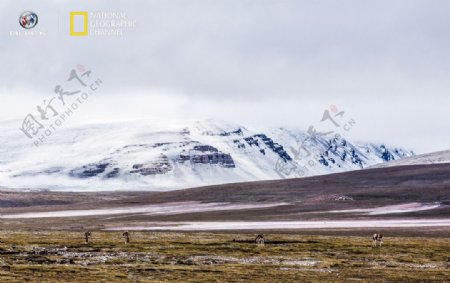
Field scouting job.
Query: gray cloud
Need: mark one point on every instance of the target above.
(258, 62)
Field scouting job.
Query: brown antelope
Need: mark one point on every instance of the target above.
(377, 239)
(259, 240)
(126, 237)
(87, 236)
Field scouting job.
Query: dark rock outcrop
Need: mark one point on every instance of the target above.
(206, 154)
(159, 166)
(90, 170)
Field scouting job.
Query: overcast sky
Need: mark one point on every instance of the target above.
(257, 63)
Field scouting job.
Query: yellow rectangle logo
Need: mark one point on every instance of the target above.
(75, 24)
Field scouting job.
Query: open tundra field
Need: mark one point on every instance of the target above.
(317, 229)
(405, 196)
(50, 256)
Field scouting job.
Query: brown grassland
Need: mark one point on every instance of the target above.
(62, 256)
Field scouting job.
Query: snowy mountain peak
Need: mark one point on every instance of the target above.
(144, 155)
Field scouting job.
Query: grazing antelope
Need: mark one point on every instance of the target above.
(377, 238)
(87, 236)
(259, 240)
(126, 237)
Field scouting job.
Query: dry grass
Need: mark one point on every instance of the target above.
(58, 256)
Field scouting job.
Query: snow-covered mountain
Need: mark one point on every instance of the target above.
(144, 155)
(421, 159)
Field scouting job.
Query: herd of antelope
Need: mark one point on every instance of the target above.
(125, 235)
(377, 238)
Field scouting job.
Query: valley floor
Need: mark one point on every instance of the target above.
(62, 256)
(318, 229)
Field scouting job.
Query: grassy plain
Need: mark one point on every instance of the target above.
(62, 256)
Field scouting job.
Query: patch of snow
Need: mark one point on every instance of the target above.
(157, 209)
(285, 225)
(398, 208)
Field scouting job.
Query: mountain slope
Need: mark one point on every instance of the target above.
(144, 155)
(418, 191)
(422, 159)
